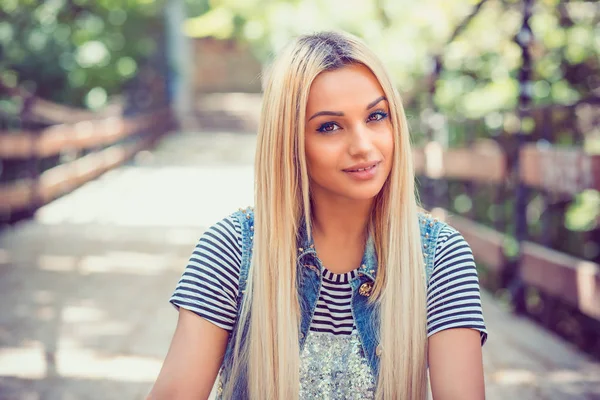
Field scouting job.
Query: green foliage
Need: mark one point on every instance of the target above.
(78, 52)
(65, 50)
(584, 213)
(480, 66)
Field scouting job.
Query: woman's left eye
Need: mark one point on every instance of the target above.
(377, 116)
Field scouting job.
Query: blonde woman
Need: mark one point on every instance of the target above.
(335, 286)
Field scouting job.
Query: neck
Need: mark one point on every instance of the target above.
(344, 220)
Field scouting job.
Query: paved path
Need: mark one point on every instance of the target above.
(84, 286)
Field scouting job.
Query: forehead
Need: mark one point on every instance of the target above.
(344, 88)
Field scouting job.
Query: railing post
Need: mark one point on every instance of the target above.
(523, 39)
(33, 163)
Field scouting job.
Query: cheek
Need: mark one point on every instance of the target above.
(320, 156)
(386, 143)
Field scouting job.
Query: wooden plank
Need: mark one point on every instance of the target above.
(42, 110)
(17, 195)
(559, 170)
(17, 144)
(68, 176)
(487, 244)
(483, 162)
(571, 279)
(78, 136)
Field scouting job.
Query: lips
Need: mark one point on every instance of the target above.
(362, 167)
(363, 172)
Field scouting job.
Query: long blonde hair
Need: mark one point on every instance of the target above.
(270, 354)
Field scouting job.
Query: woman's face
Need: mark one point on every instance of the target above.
(349, 138)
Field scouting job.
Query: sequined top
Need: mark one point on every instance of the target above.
(334, 367)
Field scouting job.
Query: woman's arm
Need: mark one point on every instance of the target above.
(455, 324)
(193, 360)
(455, 365)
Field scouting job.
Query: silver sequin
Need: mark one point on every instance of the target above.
(334, 367)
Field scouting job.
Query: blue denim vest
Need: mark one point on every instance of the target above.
(366, 316)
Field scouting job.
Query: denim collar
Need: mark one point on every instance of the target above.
(307, 254)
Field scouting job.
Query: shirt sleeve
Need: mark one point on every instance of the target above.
(209, 285)
(453, 296)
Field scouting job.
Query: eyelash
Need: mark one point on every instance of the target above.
(383, 115)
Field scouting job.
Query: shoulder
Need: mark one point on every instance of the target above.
(442, 232)
(222, 239)
(243, 216)
(228, 225)
(234, 222)
(450, 243)
(430, 226)
(452, 254)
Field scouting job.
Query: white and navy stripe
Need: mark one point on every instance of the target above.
(333, 313)
(209, 285)
(453, 298)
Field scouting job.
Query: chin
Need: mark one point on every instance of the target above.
(364, 193)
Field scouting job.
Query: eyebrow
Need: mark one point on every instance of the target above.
(341, 114)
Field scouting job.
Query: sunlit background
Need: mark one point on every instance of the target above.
(127, 127)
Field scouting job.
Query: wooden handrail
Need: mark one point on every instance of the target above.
(65, 177)
(484, 161)
(78, 136)
(574, 280)
(16, 195)
(41, 110)
(26, 193)
(559, 170)
(571, 279)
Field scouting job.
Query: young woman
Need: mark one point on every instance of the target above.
(335, 286)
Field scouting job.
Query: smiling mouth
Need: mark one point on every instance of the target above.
(370, 167)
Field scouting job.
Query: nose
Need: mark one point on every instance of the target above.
(359, 142)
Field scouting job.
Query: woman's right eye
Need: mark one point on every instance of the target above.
(328, 127)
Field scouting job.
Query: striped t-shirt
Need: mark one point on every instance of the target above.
(209, 285)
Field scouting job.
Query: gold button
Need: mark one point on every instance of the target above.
(301, 335)
(378, 351)
(365, 289)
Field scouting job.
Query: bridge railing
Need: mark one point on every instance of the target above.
(55, 149)
(510, 192)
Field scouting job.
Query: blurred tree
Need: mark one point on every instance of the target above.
(81, 52)
(480, 65)
(76, 52)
